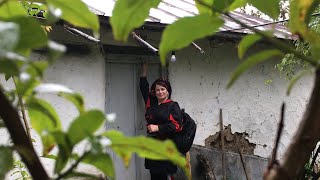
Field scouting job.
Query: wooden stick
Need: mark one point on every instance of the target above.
(243, 163)
(198, 47)
(74, 30)
(188, 162)
(222, 146)
(155, 50)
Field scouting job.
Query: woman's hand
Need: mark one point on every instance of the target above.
(144, 69)
(153, 128)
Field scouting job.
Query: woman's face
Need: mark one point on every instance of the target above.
(161, 93)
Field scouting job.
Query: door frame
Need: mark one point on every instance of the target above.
(135, 61)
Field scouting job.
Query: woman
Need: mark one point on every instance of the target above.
(162, 122)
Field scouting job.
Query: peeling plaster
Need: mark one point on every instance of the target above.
(249, 105)
(232, 141)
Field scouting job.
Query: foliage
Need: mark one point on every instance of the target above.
(299, 25)
(20, 34)
(290, 64)
(19, 169)
(6, 160)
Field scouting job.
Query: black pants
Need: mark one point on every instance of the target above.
(159, 176)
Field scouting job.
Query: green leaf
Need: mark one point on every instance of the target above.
(246, 43)
(11, 95)
(128, 15)
(300, 14)
(145, 147)
(31, 34)
(236, 4)
(250, 62)
(37, 68)
(12, 9)
(295, 78)
(81, 175)
(271, 8)
(186, 30)
(42, 115)
(203, 9)
(7, 76)
(44, 120)
(8, 67)
(25, 87)
(65, 150)
(76, 99)
(6, 160)
(9, 35)
(84, 125)
(76, 13)
(222, 4)
(50, 156)
(103, 162)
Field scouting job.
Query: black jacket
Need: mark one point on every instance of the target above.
(168, 119)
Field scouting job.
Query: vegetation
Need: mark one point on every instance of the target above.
(21, 32)
(175, 37)
(17, 44)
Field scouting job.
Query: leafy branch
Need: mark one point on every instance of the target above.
(277, 43)
(23, 111)
(20, 139)
(72, 167)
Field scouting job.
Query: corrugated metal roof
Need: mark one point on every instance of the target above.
(169, 11)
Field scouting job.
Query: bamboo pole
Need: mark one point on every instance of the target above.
(222, 146)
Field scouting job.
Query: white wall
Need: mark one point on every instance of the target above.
(82, 73)
(199, 85)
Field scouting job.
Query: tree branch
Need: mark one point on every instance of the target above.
(20, 139)
(23, 112)
(67, 172)
(315, 157)
(279, 132)
(305, 140)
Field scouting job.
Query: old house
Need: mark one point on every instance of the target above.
(107, 74)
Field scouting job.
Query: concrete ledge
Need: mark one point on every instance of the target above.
(234, 169)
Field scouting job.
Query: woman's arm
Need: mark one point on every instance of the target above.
(144, 85)
(174, 121)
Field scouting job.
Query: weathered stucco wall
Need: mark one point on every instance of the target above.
(83, 73)
(199, 85)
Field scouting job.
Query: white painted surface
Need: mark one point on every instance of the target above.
(199, 85)
(82, 73)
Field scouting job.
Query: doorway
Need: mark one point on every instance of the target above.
(123, 97)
